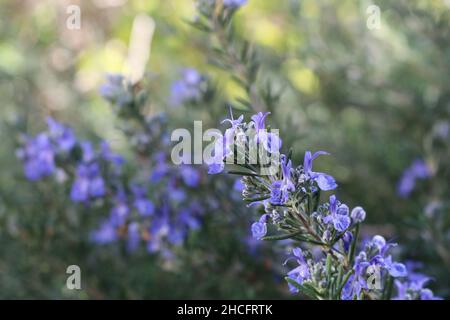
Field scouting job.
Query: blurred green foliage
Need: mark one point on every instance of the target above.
(369, 97)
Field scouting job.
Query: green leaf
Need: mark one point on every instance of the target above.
(351, 252)
(303, 289)
(282, 236)
(344, 281)
(328, 265)
(387, 292)
(240, 173)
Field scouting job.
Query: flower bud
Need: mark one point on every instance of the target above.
(358, 214)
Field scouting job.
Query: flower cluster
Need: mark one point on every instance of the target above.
(49, 152)
(291, 200)
(156, 208)
(374, 261)
(161, 222)
(413, 287)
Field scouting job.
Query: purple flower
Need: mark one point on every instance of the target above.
(417, 170)
(176, 236)
(133, 236)
(221, 151)
(238, 185)
(269, 140)
(119, 213)
(324, 181)
(64, 136)
(188, 88)
(88, 183)
(357, 282)
(234, 122)
(279, 193)
(88, 151)
(144, 206)
(215, 168)
(190, 176)
(186, 218)
(107, 154)
(395, 269)
(159, 229)
(114, 90)
(38, 156)
(259, 228)
(106, 233)
(338, 215)
(223, 146)
(347, 239)
(259, 120)
(358, 215)
(301, 272)
(114, 83)
(120, 209)
(381, 259)
(414, 289)
(161, 168)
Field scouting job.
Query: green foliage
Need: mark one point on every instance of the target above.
(372, 98)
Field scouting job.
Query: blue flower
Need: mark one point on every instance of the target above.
(106, 233)
(358, 215)
(259, 120)
(64, 136)
(176, 236)
(174, 191)
(324, 181)
(188, 88)
(114, 90)
(338, 215)
(38, 156)
(133, 236)
(356, 282)
(187, 218)
(221, 151)
(347, 239)
(395, 269)
(190, 176)
(88, 183)
(161, 168)
(159, 229)
(259, 228)
(143, 205)
(107, 154)
(215, 168)
(238, 185)
(87, 151)
(119, 212)
(301, 272)
(381, 259)
(234, 122)
(414, 289)
(417, 170)
(269, 140)
(279, 192)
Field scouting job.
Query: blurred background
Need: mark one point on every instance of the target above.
(376, 97)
